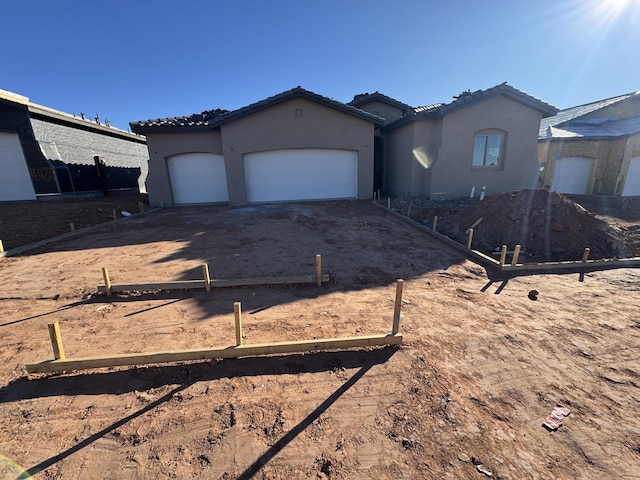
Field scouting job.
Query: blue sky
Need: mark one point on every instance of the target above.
(134, 60)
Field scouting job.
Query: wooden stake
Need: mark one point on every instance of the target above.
(516, 254)
(469, 238)
(435, 222)
(397, 306)
(319, 270)
(73, 227)
(1, 247)
(141, 207)
(585, 255)
(378, 195)
(237, 310)
(56, 341)
(114, 214)
(107, 280)
(503, 255)
(409, 211)
(207, 278)
(389, 203)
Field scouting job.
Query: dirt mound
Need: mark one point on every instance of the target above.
(547, 225)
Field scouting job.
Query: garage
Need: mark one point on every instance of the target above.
(15, 182)
(632, 183)
(198, 178)
(572, 175)
(301, 174)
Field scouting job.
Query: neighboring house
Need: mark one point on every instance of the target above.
(48, 152)
(296, 145)
(485, 139)
(593, 148)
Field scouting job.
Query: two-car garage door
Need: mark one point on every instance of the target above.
(301, 174)
(270, 176)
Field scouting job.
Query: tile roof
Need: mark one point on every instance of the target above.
(572, 114)
(440, 109)
(364, 98)
(215, 118)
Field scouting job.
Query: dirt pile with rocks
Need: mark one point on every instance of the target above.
(548, 226)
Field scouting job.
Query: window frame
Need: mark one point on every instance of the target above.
(487, 134)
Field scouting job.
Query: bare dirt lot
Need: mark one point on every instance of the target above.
(481, 366)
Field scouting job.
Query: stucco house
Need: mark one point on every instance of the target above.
(483, 139)
(296, 145)
(592, 148)
(45, 152)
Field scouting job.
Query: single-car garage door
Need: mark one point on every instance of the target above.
(198, 178)
(301, 174)
(632, 183)
(572, 175)
(15, 182)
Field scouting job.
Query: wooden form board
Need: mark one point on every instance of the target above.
(234, 351)
(572, 266)
(215, 283)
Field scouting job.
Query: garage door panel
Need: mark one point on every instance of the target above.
(572, 175)
(15, 181)
(632, 181)
(301, 174)
(198, 178)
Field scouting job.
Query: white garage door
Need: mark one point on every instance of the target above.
(301, 174)
(632, 183)
(571, 175)
(198, 178)
(15, 182)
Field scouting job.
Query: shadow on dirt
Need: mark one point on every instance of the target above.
(187, 375)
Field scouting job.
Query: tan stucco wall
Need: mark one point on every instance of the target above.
(278, 127)
(452, 175)
(384, 110)
(398, 161)
(162, 146)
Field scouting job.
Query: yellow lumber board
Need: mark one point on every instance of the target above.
(299, 346)
(200, 284)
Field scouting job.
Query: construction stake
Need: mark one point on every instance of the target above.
(319, 270)
(107, 280)
(56, 341)
(409, 211)
(114, 214)
(73, 227)
(397, 306)
(237, 310)
(1, 247)
(435, 222)
(389, 203)
(585, 255)
(469, 237)
(141, 207)
(207, 278)
(516, 254)
(503, 255)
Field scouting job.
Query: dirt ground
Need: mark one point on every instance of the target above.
(481, 366)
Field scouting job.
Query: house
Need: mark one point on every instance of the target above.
(296, 145)
(45, 152)
(481, 140)
(592, 148)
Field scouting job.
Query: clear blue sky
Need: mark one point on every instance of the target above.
(133, 60)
